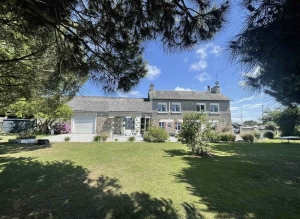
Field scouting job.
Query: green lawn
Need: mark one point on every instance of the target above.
(145, 180)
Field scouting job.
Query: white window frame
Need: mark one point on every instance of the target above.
(214, 104)
(176, 104)
(178, 124)
(201, 104)
(162, 104)
(161, 125)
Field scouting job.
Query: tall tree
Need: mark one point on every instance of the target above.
(103, 39)
(269, 46)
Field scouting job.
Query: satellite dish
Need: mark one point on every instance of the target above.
(217, 83)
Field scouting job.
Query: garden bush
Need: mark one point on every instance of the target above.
(269, 134)
(97, 138)
(104, 136)
(248, 137)
(156, 134)
(227, 137)
(67, 138)
(256, 134)
(61, 128)
(212, 136)
(131, 139)
(270, 126)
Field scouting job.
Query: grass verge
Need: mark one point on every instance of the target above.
(147, 180)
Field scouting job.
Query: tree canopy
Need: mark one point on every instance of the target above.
(56, 45)
(268, 47)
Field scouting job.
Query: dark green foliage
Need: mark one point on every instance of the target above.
(67, 138)
(250, 123)
(268, 48)
(256, 134)
(269, 134)
(97, 138)
(289, 121)
(156, 134)
(248, 137)
(227, 137)
(270, 126)
(64, 42)
(131, 138)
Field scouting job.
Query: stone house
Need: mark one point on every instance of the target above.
(134, 115)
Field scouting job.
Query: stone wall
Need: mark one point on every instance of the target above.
(103, 124)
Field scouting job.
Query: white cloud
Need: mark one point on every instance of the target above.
(182, 89)
(216, 50)
(234, 108)
(202, 52)
(131, 93)
(134, 93)
(153, 72)
(186, 60)
(203, 77)
(198, 66)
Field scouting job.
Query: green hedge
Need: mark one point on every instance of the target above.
(227, 137)
(248, 137)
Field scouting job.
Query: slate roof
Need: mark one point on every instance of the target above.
(186, 95)
(109, 104)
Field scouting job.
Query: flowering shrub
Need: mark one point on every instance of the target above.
(61, 128)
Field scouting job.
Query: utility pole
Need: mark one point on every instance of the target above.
(262, 113)
(242, 115)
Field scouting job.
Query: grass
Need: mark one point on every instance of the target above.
(147, 180)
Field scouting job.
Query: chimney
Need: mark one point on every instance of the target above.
(208, 88)
(151, 87)
(216, 89)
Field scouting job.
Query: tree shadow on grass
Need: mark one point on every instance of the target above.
(32, 189)
(11, 148)
(245, 183)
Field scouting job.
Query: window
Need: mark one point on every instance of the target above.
(128, 123)
(177, 126)
(162, 107)
(161, 125)
(214, 107)
(201, 107)
(176, 107)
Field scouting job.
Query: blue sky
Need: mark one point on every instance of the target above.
(198, 68)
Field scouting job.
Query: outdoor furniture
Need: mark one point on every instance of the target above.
(43, 141)
(289, 138)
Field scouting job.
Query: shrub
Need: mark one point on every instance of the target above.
(67, 138)
(104, 136)
(28, 134)
(269, 134)
(227, 137)
(132, 138)
(248, 137)
(97, 138)
(156, 134)
(61, 128)
(256, 134)
(116, 139)
(212, 136)
(270, 126)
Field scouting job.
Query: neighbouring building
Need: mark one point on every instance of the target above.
(162, 108)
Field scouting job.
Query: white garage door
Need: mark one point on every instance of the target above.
(84, 124)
